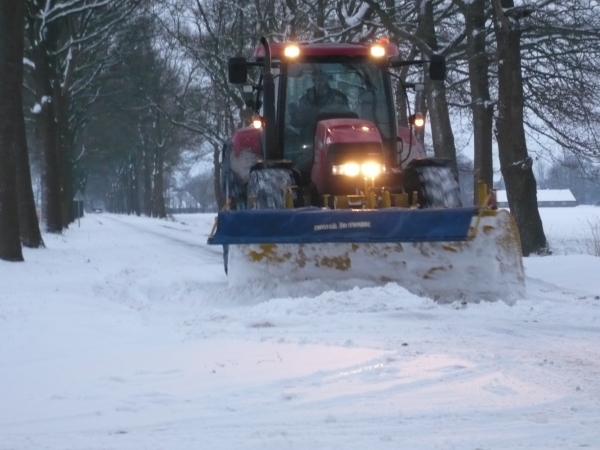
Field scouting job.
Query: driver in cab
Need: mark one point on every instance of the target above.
(318, 98)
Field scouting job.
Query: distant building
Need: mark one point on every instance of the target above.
(545, 197)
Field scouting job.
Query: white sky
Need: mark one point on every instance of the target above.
(124, 334)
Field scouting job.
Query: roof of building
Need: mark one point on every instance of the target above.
(544, 195)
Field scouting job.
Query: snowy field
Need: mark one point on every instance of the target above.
(123, 334)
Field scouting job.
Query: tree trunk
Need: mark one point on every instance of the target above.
(515, 163)
(134, 190)
(292, 17)
(481, 106)
(62, 98)
(11, 66)
(147, 162)
(158, 201)
(42, 37)
(320, 19)
(51, 199)
(441, 129)
(28, 220)
(47, 134)
(158, 197)
(69, 208)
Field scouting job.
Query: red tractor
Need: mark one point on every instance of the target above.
(324, 121)
(324, 183)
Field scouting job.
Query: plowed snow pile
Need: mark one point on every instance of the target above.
(124, 334)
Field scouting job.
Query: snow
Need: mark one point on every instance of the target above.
(486, 267)
(28, 62)
(124, 334)
(37, 107)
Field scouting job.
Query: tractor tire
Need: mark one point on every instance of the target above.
(435, 182)
(267, 188)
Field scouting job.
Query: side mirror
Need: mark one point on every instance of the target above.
(237, 70)
(437, 67)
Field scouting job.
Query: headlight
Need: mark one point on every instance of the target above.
(291, 51)
(370, 169)
(377, 51)
(350, 169)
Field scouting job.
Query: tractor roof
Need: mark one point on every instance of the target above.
(327, 49)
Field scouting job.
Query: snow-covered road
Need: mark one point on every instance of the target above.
(123, 334)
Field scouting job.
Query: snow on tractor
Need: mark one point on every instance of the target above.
(324, 183)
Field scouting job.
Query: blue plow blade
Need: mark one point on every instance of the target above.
(315, 225)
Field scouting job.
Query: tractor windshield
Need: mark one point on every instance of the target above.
(341, 89)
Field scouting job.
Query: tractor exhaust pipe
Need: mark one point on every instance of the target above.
(271, 151)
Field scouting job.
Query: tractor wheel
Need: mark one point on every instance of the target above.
(435, 182)
(267, 188)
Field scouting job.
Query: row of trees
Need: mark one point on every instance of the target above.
(50, 58)
(118, 93)
(86, 90)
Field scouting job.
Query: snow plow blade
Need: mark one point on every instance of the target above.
(446, 254)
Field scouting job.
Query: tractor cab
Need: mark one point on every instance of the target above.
(320, 90)
(324, 112)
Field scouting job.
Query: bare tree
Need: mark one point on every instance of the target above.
(28, 219)
(207, 34)
(475, 14)
(561, 62)
(437, 103)
(58, 34)
(515, 162)
(140, 102)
